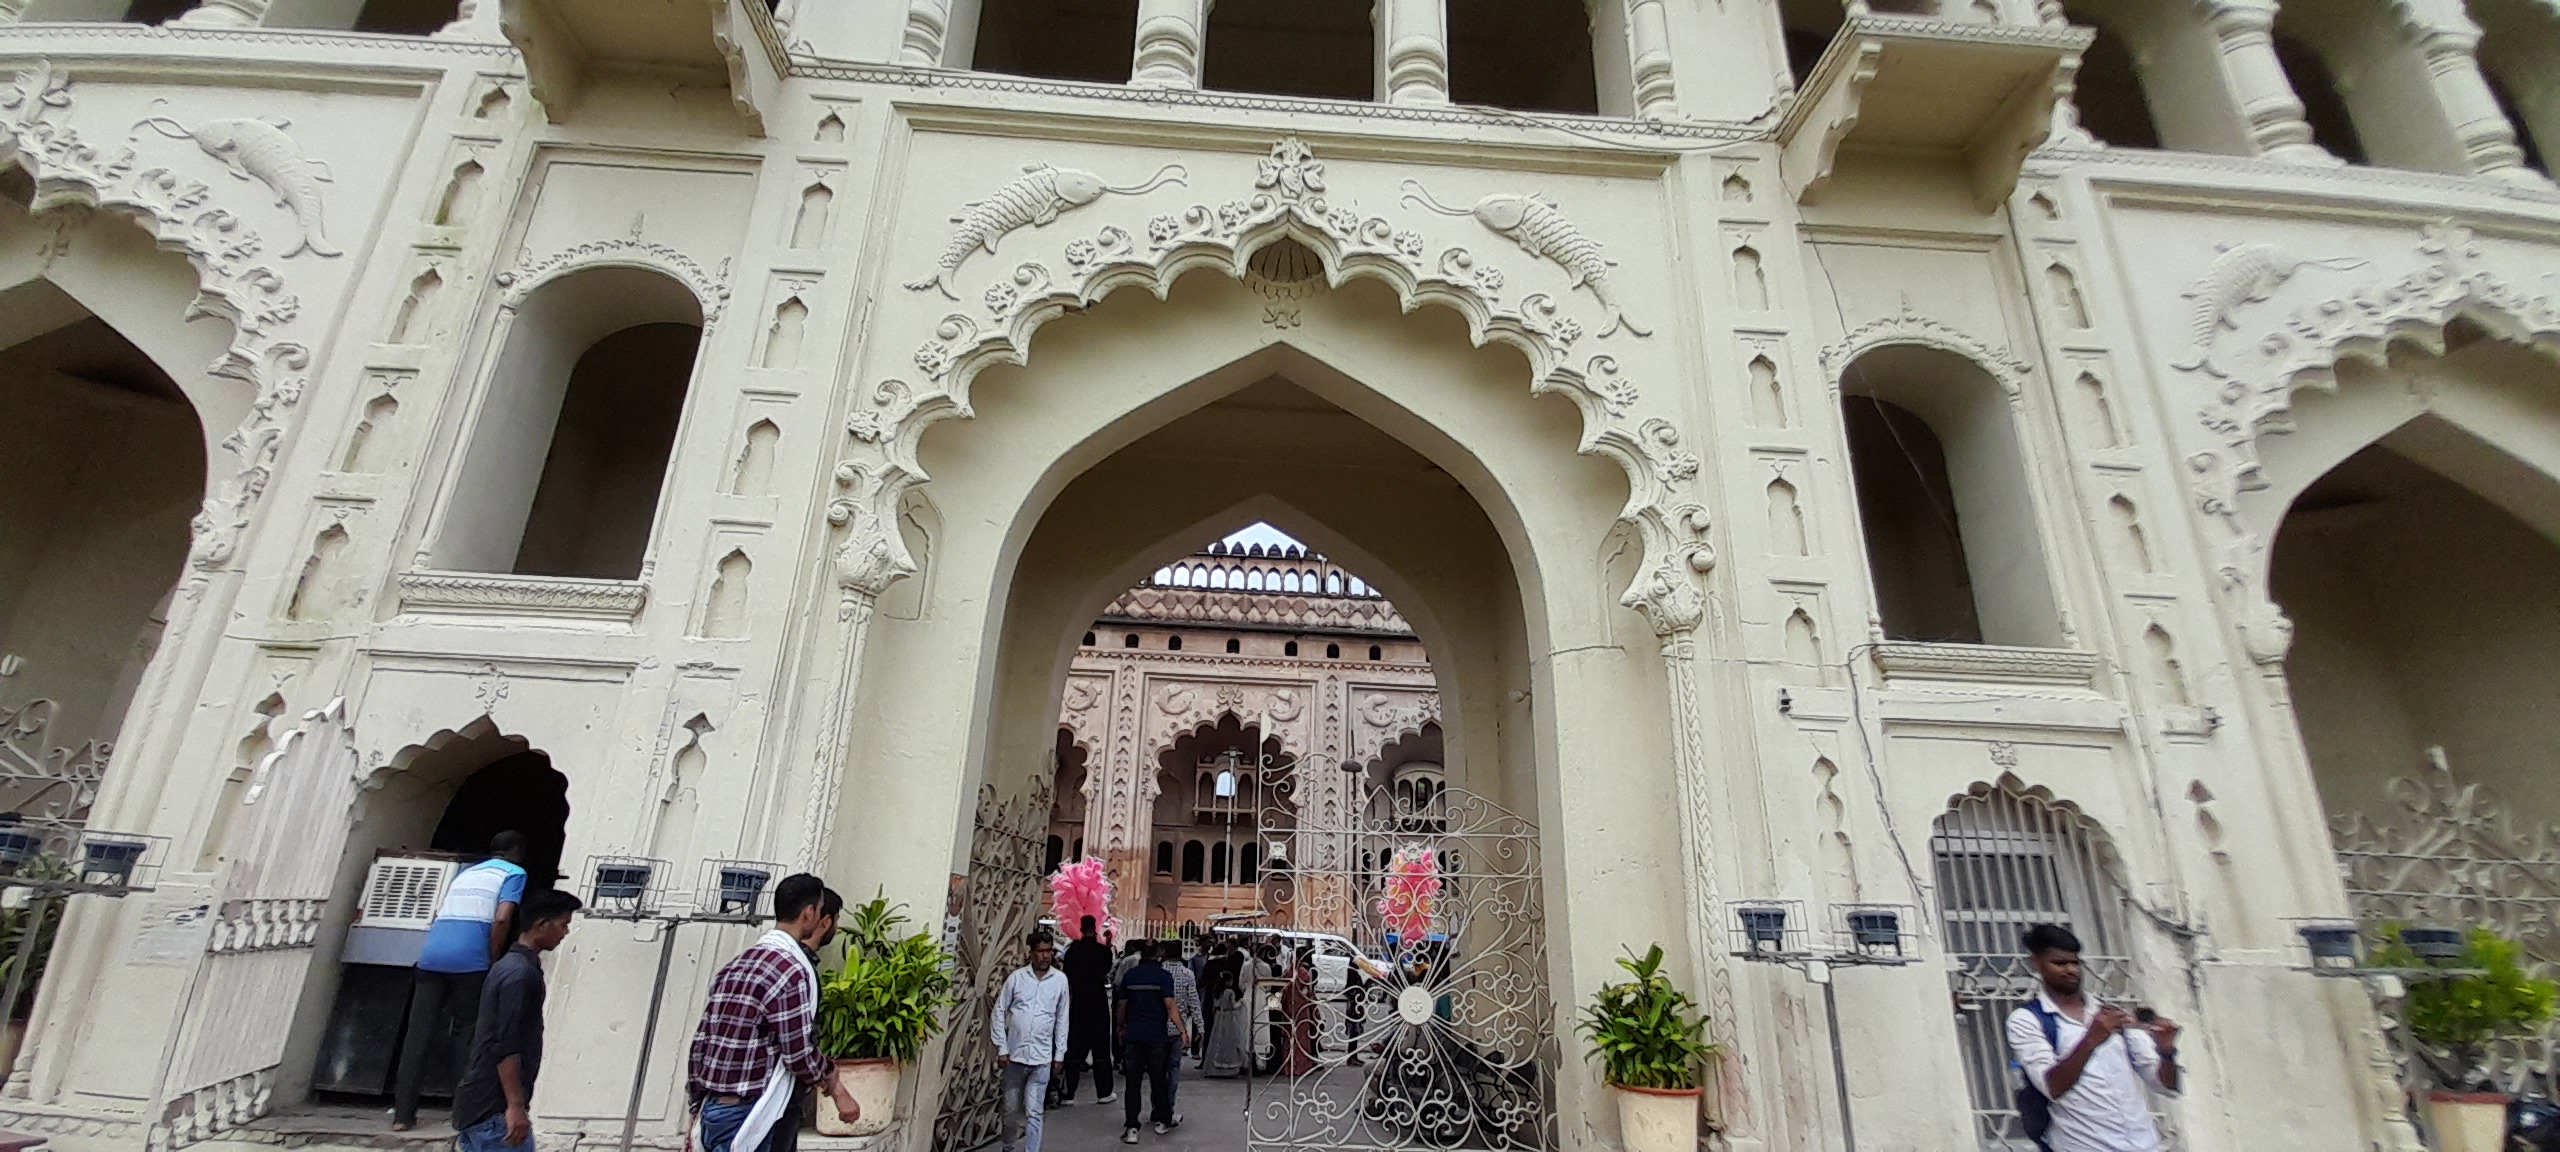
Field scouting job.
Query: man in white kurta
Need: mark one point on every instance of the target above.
(1030, 1033)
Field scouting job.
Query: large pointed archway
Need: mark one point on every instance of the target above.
(1391, 442)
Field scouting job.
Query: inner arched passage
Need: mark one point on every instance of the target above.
(1403, 451)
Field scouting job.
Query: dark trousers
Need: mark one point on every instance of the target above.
(1152, 1059)
(720, 1124)
(1088, 1036)
(443, 1008)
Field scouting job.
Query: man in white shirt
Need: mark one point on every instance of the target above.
(2090, 1060)
(1030, 1032)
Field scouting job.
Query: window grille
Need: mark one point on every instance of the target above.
(2006, 861)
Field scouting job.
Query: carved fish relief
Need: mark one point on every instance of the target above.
(1034, 198)
(259, 150)
(2241, 274)
(1539, 227)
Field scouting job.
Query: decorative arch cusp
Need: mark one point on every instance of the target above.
(1287, 199)
(241, 277)
(710, 288)
(2255, 378)
(1912, 329)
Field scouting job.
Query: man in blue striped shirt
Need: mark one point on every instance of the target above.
(469, 933)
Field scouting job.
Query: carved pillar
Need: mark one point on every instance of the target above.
(1414, 66)
(2276, 126)
(1649, 60)
(1127, 793)
(2479, 125)
(865, 567)
(1170, 38)
(224, 14)
(928, 22)
(1672, 603)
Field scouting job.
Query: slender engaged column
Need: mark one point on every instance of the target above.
(1415, 66)
(2258, 82)
(928, 23)
(1170, 35)
(2479, 125)
(1649, 59)
(224, 14)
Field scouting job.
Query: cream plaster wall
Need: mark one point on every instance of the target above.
(1594, 453)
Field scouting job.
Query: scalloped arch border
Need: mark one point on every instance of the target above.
(2363, 324)
(234, 283)
(2009, 784)
(1661, 474)
(1910, 329)
(710, 289)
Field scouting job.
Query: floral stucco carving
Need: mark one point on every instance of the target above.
(2254, 381)
(237, 277)
(1907, 326)
(1290, 194)
(711, 288)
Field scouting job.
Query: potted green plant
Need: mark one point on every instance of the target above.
(877, 1011)
(1649, 1039)
(2453, 1018)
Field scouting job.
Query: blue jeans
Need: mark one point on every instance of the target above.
(490, 1135)
(1026, 1094)
(720, 1125)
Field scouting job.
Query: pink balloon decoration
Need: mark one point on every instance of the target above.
(1083, 889)
(1412, 888)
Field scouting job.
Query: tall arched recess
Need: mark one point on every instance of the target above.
(567, 440)
(1485, 523)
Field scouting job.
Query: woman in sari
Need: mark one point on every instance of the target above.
(1226, 1055)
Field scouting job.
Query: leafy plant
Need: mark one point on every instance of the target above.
(2461, 1013)
(1646, 1033)
(887, 999)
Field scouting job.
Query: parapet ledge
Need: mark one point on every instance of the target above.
(1905, 88)
(1906, 661)
(504, 594)
(725, 43)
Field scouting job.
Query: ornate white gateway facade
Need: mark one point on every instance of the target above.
(2008, 461)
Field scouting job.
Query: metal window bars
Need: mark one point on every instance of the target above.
(2006, 861)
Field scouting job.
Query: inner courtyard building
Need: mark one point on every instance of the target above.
(1670, 464)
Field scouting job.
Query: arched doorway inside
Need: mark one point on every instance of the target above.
(1215, 758)
(2415, 558)
(106, 467)
(435, 808)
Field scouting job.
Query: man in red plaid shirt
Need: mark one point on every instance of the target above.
(757, 1044)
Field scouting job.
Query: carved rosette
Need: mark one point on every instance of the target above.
(1556, 307)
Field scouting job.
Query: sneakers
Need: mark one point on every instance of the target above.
(1164, 1126)
(1128, 1135)
(1110, 1097)
(1063, 1102)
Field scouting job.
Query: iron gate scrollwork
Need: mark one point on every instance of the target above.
(1448, 1043)
(1002, 901)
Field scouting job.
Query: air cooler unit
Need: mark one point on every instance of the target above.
(400, 897)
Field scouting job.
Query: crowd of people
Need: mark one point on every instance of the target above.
(2084, 1065)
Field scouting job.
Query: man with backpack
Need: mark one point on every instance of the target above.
(2085, 1063)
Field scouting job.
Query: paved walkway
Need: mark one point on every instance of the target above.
(1212, 1119)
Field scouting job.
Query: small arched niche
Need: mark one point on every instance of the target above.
(569, 447)
(1943, 501)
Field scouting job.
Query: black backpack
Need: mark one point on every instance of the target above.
(2035, 1113)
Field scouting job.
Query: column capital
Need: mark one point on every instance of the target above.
(1170, 38)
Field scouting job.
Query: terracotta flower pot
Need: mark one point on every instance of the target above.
(1658, 1119)
(873, 1084)
(2468, 1121)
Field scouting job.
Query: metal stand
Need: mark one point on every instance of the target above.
(649, 1029)
(1819, 968)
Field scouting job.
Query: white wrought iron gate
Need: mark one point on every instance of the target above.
(1453, 1046)
(1002, 901)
